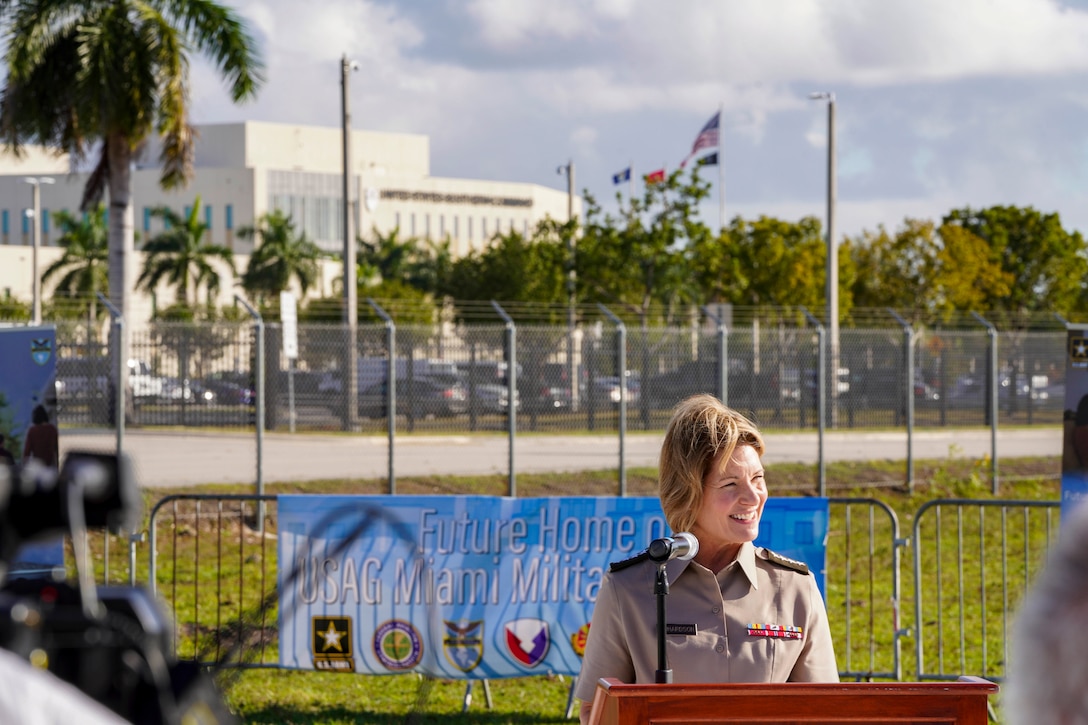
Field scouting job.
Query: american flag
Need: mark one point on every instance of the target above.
(708, 137)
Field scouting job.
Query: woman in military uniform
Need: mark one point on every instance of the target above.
(735, 613)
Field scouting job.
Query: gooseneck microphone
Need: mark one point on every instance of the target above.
(682, 546)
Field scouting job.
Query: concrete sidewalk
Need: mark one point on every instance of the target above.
(163, 460)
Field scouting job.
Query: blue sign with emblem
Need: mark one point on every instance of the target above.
(28, 365)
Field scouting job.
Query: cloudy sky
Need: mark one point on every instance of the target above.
(940, 104)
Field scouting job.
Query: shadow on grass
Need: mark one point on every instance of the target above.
(338, 715)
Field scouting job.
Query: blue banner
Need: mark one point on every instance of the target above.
(1075, 421)
(470, 587)
(28, 365)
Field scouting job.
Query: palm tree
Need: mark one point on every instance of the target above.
(83, 74)
(282, 254)
(180, 256)
(83, 266)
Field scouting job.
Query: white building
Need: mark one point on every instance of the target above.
(243, 170)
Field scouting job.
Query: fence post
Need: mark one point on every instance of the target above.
(390, 388)
(908, 365)
(723, 355)
(259, 324)
(621, 363)
(511, 392)
(821, 398)
(994, 383)
(119, 388)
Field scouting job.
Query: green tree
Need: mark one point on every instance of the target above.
(180, 256)
(776, 263)
(420, 263)
(967, 275)
(108, 74)
(283, 254)
(638, 262)
(896, 270)
(82, 268)
(512, 269)
(1047, 264)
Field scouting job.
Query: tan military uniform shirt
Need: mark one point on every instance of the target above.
(761, 619)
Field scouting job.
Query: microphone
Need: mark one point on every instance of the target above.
(682, 546)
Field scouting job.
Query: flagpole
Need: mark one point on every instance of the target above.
(721, 166)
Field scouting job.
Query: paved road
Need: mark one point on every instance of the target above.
(163, 460)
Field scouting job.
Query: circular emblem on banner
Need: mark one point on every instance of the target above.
(397, 645)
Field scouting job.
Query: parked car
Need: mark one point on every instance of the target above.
(883, 388)
(231, 388)
(606, 389)
(546, 388)
(82, 377)
(176, 390)
(971, 389)
(421, 398)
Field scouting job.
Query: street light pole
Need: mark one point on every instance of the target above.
(36, 236)
(572, 278)
(351, 312)
(832, 254)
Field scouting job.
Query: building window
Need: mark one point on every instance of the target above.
(6, 221)
(442, 226)
(45, 221)
(468, 224)
(456, 233)
(427, 225)
(208, 217)
(412, 224)
(525, 228)
(230, 216)
(483, 227)
(147, 219)
(26, 220)
(188, 211)
(396, 220)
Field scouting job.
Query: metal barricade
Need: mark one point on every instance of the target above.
(863, 589)
(230, 616)
(969, 557)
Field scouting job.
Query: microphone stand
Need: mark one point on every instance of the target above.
(661, 590)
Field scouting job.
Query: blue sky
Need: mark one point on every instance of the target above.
(939, 104)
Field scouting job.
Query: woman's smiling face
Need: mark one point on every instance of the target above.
(733, 500)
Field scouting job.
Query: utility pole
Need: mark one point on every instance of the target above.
(832, 275)
(572, 279)
(351, 313)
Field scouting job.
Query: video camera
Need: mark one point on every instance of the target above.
(112, 642)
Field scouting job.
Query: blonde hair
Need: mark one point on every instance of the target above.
(701, 429)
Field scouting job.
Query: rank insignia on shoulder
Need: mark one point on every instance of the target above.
(618, 565)
(785, 561)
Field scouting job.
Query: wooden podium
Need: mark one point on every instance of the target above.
(859, 703)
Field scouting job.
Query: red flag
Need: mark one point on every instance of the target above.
(656, 177)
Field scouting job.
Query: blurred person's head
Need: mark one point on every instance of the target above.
(1048, 666)
(40, 415)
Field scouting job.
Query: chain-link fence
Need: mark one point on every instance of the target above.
(450, 378)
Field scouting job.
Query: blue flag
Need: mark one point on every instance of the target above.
(621, 177)
(708, 160)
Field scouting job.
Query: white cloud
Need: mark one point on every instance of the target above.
(941, 103)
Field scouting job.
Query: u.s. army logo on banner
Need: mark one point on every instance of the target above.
(1078, 351)
(41, 348)
(464, 644)
(332, 644)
